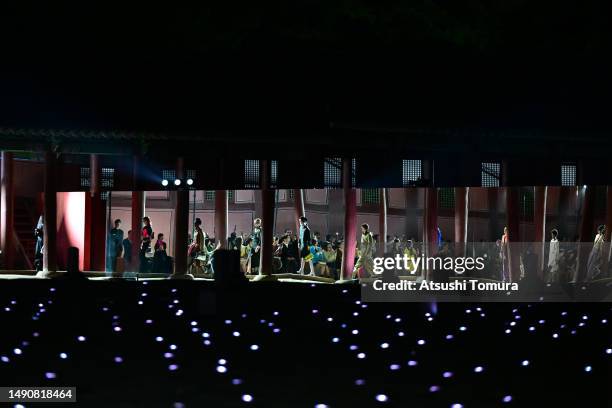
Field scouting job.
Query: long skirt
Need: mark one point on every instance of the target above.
(367, 263)
(594, 264)
(505, 270)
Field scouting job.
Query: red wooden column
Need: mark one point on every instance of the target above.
(50, 213)
(608, 224)
(221, 217)
(94, 174)
(495, 232)
(181, 223)
(430, 225)
(136, 225)
(586, 233)
(95, 220)
(95, 233)
(298, 202)
(586, 220)
(567, 200)
(539, 219)
(137, 214)
(461, 219)
(267, 202)
(382, 221)
(350, 220)
(608, 212)
(7, 228)
(513, 223)
(412, 212)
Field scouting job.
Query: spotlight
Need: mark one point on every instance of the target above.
(177, 182)
(189, 182)
(164, 182)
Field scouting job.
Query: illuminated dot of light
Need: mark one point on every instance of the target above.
(382, 398)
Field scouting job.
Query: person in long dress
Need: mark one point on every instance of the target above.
(196, 248)
(304, 246)
(366, 253)
(115, 246)
(146, 235)
(160, 257)
(553, 257)
(38, 249)
(505, 256)
(255, 246)
(596, 256)
(411, 254)
(245, 254)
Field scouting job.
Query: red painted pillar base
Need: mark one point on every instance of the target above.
(221, 217)
(461, 203)
(181, 228)
(7, 195)
(350, 220)
(50, 213)
(587, 231)
(382, 222)
(539, 219)
(136, 226)
(300, 211)
(430, 229)
(181, 224)
(267, 231)
(95, 233)
(514, 236)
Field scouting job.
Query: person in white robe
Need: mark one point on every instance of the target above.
(596, 256)
(553, 257)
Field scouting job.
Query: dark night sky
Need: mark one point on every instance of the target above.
(240, 65)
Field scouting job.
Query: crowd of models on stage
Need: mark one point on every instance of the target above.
(307, 253)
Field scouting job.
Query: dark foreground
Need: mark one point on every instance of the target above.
(296, 345)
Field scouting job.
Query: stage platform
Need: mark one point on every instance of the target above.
(97, 275)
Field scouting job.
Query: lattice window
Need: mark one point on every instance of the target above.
(527, 203)
(274, 174)
(332, 172)
(85, 181)
(490, 174)
(190, 174)
(291, 194)
(169, 175)
(568, 174)
(369, 196)
(411, 172)
(251, 174)
(108, 177)
(209, 195)
(447, 198)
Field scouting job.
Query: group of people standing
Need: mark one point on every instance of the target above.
(559, 259)
(305, 253)
(119, 250)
